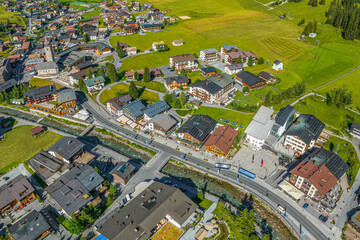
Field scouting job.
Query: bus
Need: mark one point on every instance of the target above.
(222, 166)
(246, 173)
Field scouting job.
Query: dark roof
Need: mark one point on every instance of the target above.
(137, 218)
(72, 190)
(82, 72)
(207, 85)
(208, 70)
(156, 108)
(284, 114)
(198, 126)
(150, 25)
(29, 227)
(11, 190)
(249, 78)
(67, 147)
(40, 92)
(307, 127)
(123, 169)
(177, 79)
(276, 62)
(266, 75)
(84, 65)
(119, 102)
(136, 107)
(46, 165)
(66, 95)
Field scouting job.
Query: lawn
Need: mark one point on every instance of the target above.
(5, 53)
(201, 201)
(15, 148)
(168, 232)
(351, 81)
(156, 86)
(216, 113)
(348, 154)
(253, 97)
(330, 115)
(13, 17)
(38, 82)
(90, 14)
(122, 88)
(252, 26)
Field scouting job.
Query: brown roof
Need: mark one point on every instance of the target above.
(183, 58)
(319, 176)
(82, 73)
(36, 130)
(153, 72)
(223, 138)
(234, 55)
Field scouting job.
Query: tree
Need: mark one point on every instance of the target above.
(111, 72)
(177, 103)
(2, 99)
(260, 61)
(15, 94)
(165, 23)
(336, 148)
(136, 75)
(86, 38)
(125, 21)
(133, 91)
(245, 89)
(239, 60)
(247, 222)
(82, 85)
(120, 51)
(89, 73)
(322, 2)
(146, 76)
(182, 99)
(301, 22)
(250, 61)
(75, 228)
(96, 169)
(168, 99)
(182, 72)
(313, 3)
(268, 99)
(112, 189)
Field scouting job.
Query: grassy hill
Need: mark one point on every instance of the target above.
(13, 17)
(251, 26)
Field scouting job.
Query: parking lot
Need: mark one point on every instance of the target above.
(167, 71)
(218, 65)
(260, 162)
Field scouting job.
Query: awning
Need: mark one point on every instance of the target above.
(291, 190)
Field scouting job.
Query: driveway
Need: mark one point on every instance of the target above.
(166, 70)
(218, 65)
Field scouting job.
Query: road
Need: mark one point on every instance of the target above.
(267, 194)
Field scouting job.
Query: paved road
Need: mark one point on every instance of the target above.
(267, 194)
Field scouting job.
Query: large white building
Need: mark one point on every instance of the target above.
(186, 61)
(303, 133)
(260, 127)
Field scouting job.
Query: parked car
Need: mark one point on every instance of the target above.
(323, 218)
(306, 205)
(170, 138)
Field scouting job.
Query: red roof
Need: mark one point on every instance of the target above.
(26, 45)
(223, 138)
(319, 176)
(14, 56)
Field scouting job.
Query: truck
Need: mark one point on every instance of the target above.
(281, 209)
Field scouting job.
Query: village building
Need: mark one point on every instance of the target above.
(68, 149)
(229, 48)
(47, 69)
(221, 141)
(318, 173)
(214, 89)
(208, 71)
(268, 77)
(94, 85)
(304, 133)
(115, 105)
(175, 82)
(278, 66)
(123, 172)
(209, 55)
(162, 124)
(233, 68)
(177, 43)
(186, 61)
(250, 80)
(195, 131)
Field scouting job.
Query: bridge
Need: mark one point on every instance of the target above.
(87, 130)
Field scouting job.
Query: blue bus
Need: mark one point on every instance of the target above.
(247, 174)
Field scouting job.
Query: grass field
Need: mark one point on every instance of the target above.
(122, 88)
(13, 17)
(216, 113)
(330, 115)
(16, 147)
(88, 15)
(253, 97)
(168, 232)
(201, 201)
(252, 26)
(156, 86)
(38, 82)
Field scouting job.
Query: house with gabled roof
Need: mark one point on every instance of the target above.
(303, 133)
(250, 80)
(221, 141)
(318, 173)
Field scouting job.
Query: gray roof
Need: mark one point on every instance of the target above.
(40, 92)
(156, 108)
(29, 227)
(229, 47)
(136, 107)
(46, 65)
(66, 95)
(119, 102)
(198, 126)
(67, 147)
(266, 75)
(355, 129)
(72, 190)
(123, 169)
(177, 79)
(307, 127)
(215, 83)
(284, 114)
(261, 123)
(276, 62)
(136, 219)
(11, 191)
(235, 66)
(45, 164)
(84, 65)
(249, 78)
(165, 121)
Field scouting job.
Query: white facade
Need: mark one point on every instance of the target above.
(194, 91)
(95, 88)
(297, 144)
(258, 143)
(278, 67)
(189, 65)
(48, 72)
(231, 72)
